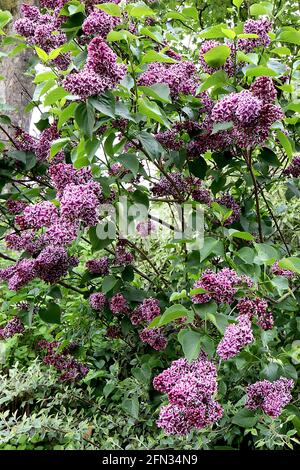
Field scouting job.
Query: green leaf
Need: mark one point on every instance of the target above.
(191, 344)
(237, 3)
(131, 406)
(108, 283)
(268, 156)
(222, 126)
(122, 35)
(131, 162)
(18, 155)
(85, 118)
(281, 51)
(229, 33)
(140, 197)
(198, 167)
(155, 35)
(66, 114)
(291, 36)
(153, 56)
(99, 243)
(217, 79)
(211, 246)
(260, 71)
(248, 36)
(5, 18)
(41, 54)
(178, 295)
(217, 56)
(139, 11)
(262, 8)
(105, 103)
(285, 142)
(213, 32)
(173, 313)
(150, 144)
(219, 320)
(292, 264)
(242, 57)
(152, 111)
(110, 8)
(266, 254)
(51, 313)
(55, 95)
(159, 91)
(42, 77)
(242, 235)
(245, 418)
(57, 145)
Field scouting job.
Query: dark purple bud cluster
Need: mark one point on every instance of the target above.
(294, 168)
(154, 337)
(258, 308)
(98, 266)
(70, 369)
(228, 201)
(13, 327)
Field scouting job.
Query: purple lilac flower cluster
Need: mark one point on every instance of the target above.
(40, 215)
(122, 256)
(175, 185)
(19, 274)
(219, 286)
(170, 139)
(118, 304)
(43, 31)
(25, 241)
(15, 207)
(99, 23)
(154, 337)
(53, 263)
(259, 27)
(145, 312)
(271, 397)
(190, 389)
(202, 195)
(41, 146)
(97, 301)
(63, 174)
(13, 327)
(294, 168)
(275, 269)
(145, 228)
(101, 71)
(228, 201)
(251, 114)
(98, 266)
(181, 77)
(236, 337)
(70, 369)
(258, 308)
(81, 202)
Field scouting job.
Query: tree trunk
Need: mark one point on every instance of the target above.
(16, 89)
